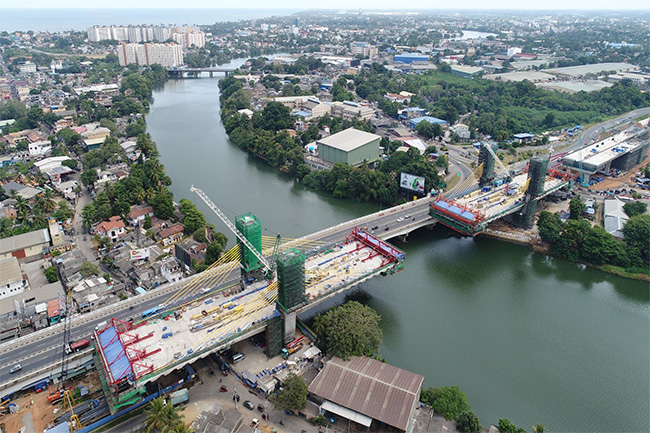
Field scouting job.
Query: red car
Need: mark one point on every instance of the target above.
(223, 389)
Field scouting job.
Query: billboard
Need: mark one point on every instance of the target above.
(414, 183)
(141, 254)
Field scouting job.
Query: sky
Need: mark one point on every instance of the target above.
(336, 4)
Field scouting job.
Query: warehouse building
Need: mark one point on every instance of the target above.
(368, 393)
(26, 247)
(352, 147)
(410, 58)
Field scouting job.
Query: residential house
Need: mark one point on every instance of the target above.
(114, 228)
(138, 214)
(171, 234)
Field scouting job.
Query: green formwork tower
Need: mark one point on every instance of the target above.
(291, 279)
(274, 336)
(251, 228)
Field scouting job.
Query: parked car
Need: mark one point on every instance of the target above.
(249, 405)
(223, 389)
(260, 407)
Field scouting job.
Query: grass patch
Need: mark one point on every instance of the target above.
(640, 118)
(621, 272)
(452, 182)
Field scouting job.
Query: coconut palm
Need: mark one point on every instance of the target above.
(161, 417)
(539, 429)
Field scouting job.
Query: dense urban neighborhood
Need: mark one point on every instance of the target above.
(530, 128)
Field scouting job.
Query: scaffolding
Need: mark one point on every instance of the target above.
(274, 336)
(291, 279)
(537, 175)
(251, 228)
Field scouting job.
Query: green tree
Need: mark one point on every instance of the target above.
(505, 426)
(163, 205)
(539, 429)
(87, 269)
(636, 233)
(352, 329)
(577, 208)
(468, 422)
(89, 176)
(71, 163)
(449, 402)
(162, 417)
(51, 275)
(633, 208)
(292, 396)
(212, 252)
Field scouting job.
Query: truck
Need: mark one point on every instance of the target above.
(76, 346)
(179, 397)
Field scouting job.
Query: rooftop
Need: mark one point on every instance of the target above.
(578, 71)
(24, 240)
(10, 271)
(370, 387)
(349, 139)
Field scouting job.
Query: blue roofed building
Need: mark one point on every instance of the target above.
(410, 58)
(414, 122)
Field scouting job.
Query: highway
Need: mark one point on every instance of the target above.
(43, 348)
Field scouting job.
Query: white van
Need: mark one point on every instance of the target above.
(238, 357)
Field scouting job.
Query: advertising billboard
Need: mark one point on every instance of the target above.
(414, 183)
(140, 254)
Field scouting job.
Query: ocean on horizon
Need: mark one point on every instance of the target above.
(58, 20)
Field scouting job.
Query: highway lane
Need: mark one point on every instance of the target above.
(35, 351)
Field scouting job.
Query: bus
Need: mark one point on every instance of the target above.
(149, 312)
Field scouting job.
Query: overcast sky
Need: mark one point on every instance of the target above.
(335, 4)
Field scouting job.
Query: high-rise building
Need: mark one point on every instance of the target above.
(184, 35)
(168, 55)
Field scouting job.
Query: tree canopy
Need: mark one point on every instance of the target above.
(449, 402)
(292, 396)
(351, 329)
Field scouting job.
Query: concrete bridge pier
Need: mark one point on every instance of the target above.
(403, 238)
(289, 326)
(210, 74)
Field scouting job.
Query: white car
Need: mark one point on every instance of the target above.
(400, 219)
(15, 368)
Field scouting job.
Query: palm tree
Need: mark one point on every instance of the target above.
(162, 417)
(49, 204)
(539, 429)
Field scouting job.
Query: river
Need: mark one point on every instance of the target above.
(526, 337)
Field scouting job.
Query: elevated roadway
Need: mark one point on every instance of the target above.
(36, 351)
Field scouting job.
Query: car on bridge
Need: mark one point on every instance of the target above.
(400, 219)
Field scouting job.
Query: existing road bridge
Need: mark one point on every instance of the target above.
(180, 72)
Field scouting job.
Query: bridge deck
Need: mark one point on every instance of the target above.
(218, 318)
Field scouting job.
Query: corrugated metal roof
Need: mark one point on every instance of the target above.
(349, 139)
(372, 388)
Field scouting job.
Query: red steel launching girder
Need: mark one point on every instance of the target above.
(381, 247)
(128, 339)
(134, 354)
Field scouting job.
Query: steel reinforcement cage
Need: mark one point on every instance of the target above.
(291, 279)
(251, 228)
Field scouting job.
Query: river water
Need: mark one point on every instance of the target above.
(526, 337)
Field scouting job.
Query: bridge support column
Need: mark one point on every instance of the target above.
(403, 238)
(210, 74)
(289, 326)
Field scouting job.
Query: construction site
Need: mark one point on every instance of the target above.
(273, 285)
(495, 191)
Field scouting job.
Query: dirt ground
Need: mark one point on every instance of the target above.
(624, 181)
(41, 410)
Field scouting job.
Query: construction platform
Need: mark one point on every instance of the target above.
(138, 353)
